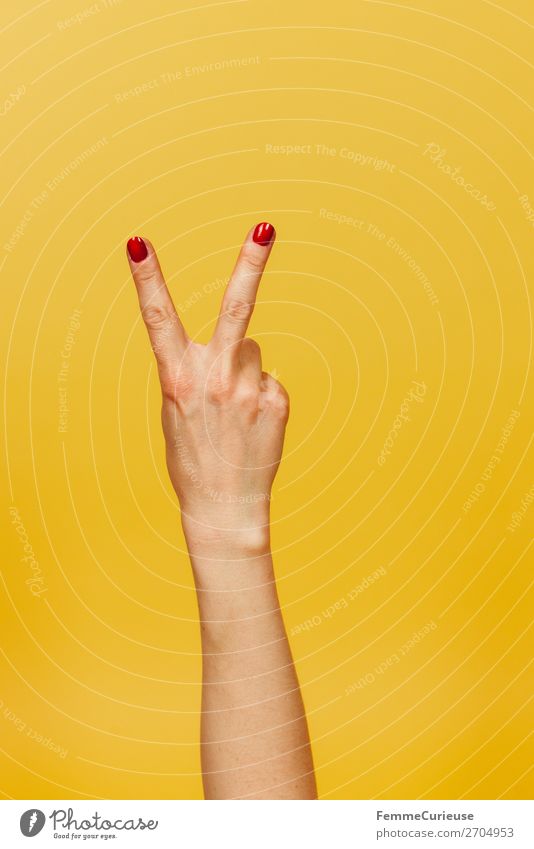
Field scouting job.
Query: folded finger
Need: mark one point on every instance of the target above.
(250, 360)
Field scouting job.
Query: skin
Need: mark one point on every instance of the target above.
(224, 422)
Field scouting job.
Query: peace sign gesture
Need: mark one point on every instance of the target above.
(223, 417)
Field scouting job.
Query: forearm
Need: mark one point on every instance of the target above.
(254, 736)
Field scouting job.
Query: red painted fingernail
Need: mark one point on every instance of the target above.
(137, 249)
(263, 234)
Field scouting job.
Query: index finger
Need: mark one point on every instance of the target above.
(167, 335)
(240, 295)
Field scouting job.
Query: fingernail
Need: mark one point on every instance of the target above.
(137, 249)
(263, 234)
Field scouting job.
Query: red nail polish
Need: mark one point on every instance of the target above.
(137, 249)
(263, 234)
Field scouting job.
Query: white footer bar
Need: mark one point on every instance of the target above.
(268, 825)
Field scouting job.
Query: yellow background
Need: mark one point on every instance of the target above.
(105, 662)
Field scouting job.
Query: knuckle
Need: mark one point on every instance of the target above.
(247, 396)
(239, 310)
(156, 317)
(253, 261)
(280, 402)
(146, 275)
(175, 386)
(219, 388)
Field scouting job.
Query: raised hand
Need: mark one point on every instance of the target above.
(223, 417)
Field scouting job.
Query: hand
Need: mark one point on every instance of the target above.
(223, 417)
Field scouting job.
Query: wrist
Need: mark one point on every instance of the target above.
(230, 527)
(231, 562)
(233, 543)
